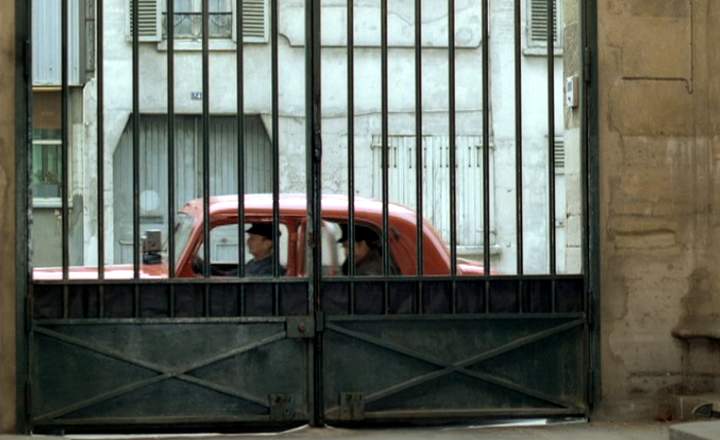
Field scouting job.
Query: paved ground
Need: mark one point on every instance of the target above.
(582, 431)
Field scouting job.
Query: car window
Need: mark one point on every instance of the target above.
(183, 228)
(224, 244)
(334, 254)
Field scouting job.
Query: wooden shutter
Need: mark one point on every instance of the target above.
(254, 24)
(539, 22)
(148, 19)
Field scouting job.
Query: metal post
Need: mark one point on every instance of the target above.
(384, 117)
(64, 179)
(313, 140)
(170, 21)
(136, 153)
(419, 156)
(275, 150)
(351, 151)
(486, 147)
(519, 154)
(551, 142)
(452, 158)
(240, 117)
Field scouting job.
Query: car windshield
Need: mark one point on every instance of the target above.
(183, 228)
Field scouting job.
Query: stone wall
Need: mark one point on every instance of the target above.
(660, 219)
(7, 216)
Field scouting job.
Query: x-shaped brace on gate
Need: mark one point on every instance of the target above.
(457, 367)
(164, 373)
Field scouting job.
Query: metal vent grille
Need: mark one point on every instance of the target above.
(559, 155)
(253, 16)
(539, 21)
(148, 14)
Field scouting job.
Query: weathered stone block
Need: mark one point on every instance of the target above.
(662, 108)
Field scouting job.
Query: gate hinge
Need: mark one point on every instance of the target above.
(281, 407)
(588, 62)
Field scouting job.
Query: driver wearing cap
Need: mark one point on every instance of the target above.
(260, 246)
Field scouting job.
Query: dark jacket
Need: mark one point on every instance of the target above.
(262, 267)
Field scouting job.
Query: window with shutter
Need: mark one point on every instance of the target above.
(436, 181)
(187, 23)
(148, 19)
(539, 23)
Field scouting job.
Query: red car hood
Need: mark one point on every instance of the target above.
(112, 272)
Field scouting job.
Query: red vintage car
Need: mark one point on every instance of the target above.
(402, 237)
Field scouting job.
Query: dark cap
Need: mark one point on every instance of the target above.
(361, 233)
(263, 229)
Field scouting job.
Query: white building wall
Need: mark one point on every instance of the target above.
(222, 96)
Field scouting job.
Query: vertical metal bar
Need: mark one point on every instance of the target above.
(241, 299)
(170, 21)
(486, 146)
(23, 266)
(351, 148)
(313, 140)
(551, 142)
(170, 24)
(419, 155)
(136, 153)
(136, 137)
(100, 155)
(275, 152)
(240, 69)
(100, 76)
(452, 164)
(240, 91)
(64, 114)
(206, 148)
(384, 117)
(519, 153)
(591, 248)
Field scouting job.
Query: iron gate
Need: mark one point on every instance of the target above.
(126, 349)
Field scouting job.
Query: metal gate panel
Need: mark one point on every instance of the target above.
(449, 367)
(169, 353)
(116, 372)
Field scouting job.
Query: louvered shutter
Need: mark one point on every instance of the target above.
(254, 24)
(539, 22)
(559, 155)
(148, 19)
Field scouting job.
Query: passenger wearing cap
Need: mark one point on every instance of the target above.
(368, 254)
(260, 246)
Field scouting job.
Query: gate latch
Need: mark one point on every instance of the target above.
(300, 326)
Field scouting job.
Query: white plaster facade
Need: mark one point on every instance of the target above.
(222, 98)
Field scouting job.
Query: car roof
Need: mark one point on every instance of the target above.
(296, 205)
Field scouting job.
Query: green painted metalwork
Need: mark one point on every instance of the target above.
(129, 355)
(113, 372)
(454, 366)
